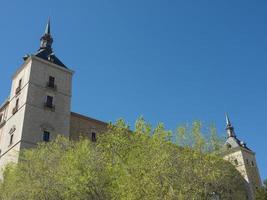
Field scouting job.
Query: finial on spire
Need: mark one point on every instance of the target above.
(229, 127)
(46, 39)
(47, 28)
(227, 119)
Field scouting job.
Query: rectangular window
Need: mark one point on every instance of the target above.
(15, 109)
(19, 87)
(93, 137)
(11, 139)
(236, 162)
(1, 117)
(252, 163)
(20, 81)
(17, 103)
(49, 101)
(51, 82)
(46, 136)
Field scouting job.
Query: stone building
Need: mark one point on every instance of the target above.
(39, 108)
(244, 160)
(39, 105)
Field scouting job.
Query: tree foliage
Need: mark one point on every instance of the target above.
(261, 193)
(123, 164)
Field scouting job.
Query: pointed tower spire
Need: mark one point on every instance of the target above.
(229, 127)
(47, 28)
(46, 39)
(45, 51)
(228, 123)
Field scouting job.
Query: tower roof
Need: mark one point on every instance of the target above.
(47, 28)
(229, 127)
(45, 51)
(232, 140)
(227, 119)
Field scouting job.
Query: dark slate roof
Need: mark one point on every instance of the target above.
(233, 142)
(48, 55)
(45, 51)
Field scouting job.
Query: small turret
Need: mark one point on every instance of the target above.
(229, 127)
(46, 39)
(45, 51)
(232, 140)
(244, 160)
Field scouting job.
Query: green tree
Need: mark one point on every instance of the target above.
(123, 164)
(194, 137)
(261, 193)
(58, 170)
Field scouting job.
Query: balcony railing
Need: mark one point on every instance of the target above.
(49, 106)
(51, 86)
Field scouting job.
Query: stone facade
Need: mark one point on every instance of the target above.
(39, 109)
(243, 159)
(39, 106)
(26, 116)
(85, 127)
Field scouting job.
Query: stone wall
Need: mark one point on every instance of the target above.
(83, 126)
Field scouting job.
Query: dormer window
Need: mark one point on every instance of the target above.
(51, 82)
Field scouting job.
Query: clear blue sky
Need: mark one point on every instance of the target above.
(170, 61)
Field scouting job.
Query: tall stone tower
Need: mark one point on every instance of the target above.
(243, 159)
(38, 108)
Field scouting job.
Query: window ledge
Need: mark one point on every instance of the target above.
(15, 110)
(48, 107)
(51, 87)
